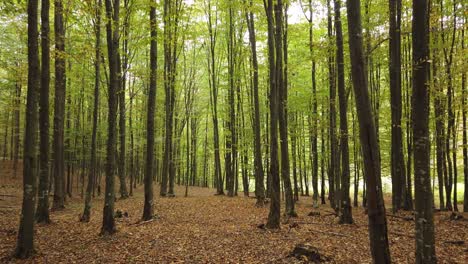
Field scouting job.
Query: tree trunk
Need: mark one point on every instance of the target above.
(122, 74)
(42, 213)
(213, 82)
(59, 114)
(332, 113)
(376, 209)
(465, 129)
(148, 205)
(16, 129)
(259, 173)
(345, 202)
(112, 26)
(425, 247)
(397, 160)
(275, 206)
(97, 78)
(281, 70)
(25, 242)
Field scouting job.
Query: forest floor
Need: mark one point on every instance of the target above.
(204, 228)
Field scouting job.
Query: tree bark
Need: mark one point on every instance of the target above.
(397, 160)
(376, 209)
(25, 242)
(273, 221)
(42, 213)
(112, 26)
(97, 77)
(465, 129)
(59, 114)
(148, 210)
(425, 247)
(332, 114)
(345, 202)
(259, 173)
(281, 75)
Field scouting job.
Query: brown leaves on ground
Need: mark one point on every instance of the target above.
(204, 228)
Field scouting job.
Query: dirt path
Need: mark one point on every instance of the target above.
(204, 228)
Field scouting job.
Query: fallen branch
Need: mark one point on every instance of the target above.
(144, 222)
(455, 242)
(406, 218)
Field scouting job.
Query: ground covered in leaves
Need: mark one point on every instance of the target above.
(203, 228)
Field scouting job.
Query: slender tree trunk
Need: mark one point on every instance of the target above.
(122, 75)
(59, 114)
(314, 128)
(230, 153)
(16, 129)
(397, 160)
(409, 138)
(323, 143)
(465, 129)
(148, 210)
(213, 82)
(275, 206)
(424, 220)
(258, 166)
(376, 209)
(5, 137)
(439, 118)
(97, 78)
(112, 26)
(281, 70)
(345, 202)
(332, 114)
(42, 213)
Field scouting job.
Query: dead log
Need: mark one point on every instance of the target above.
(308, 253)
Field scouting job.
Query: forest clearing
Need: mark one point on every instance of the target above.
(233, 131)
(204, 228)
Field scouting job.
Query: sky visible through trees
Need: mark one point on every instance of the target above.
(347, 113)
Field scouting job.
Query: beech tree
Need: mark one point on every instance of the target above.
(368, 136)
(97, 79)
(59, 106)
(148, 207)
(112, 35)
(42, 213)
(25, 242)
(424, 220)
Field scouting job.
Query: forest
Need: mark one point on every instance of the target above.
(233, 131)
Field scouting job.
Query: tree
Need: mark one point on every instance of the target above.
(281, 76)
(259, 176)
(275, 206)
(465, 137)
(112, 33)
(122, 68)
(314, 131)
(213, 83)
(59, 106)
(424, 219)
(397, 159)
(231, 140)
(148, 207)
(345, 202)
(171, 11)
(25, 242)
(332, 111)
(42, 213)
(368, 136)
(97, 78)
